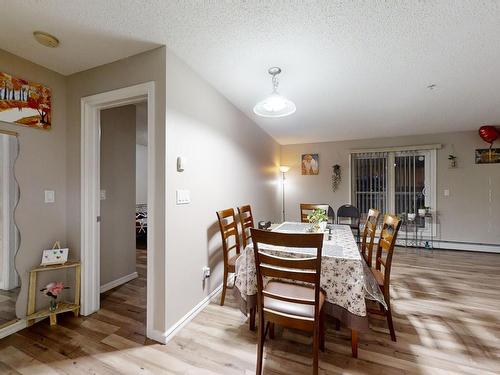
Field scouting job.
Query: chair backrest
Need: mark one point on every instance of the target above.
(368, 238)
(304, 270)
(228, 229)
(246, 220)
(350, 212)
(386, 243)
(307, 208)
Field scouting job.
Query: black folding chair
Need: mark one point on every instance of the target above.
(348, 211)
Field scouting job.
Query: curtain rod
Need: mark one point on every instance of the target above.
(9, 132)
(435, 146)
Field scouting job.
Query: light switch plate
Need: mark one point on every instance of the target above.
(103, 195)
(50, 196)
(446, 193)
(182, 197)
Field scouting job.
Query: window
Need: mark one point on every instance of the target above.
(393, 181)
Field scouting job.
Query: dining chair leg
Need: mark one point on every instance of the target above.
(260, 345)
(316, 340)
(322, 332)
(271, 331)
(390, 323)
(251, 320)
(354, 343)
(224, 287)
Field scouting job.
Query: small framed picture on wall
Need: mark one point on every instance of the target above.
(310, 164)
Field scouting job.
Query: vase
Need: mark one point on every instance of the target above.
(53, 305)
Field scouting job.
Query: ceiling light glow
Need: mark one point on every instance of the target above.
(275, 105)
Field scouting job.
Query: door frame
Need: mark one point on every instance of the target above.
(91, 107)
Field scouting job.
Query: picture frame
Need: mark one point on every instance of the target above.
(56, 255)
(24, 102)
(309, 164)
(487, 156)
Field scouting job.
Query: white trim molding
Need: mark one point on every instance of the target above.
(13, 328)
(466, 246)
(165, 337)
(90, 191)
(120, 281)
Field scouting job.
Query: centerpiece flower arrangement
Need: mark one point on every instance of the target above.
(53, 290)
(319, 219)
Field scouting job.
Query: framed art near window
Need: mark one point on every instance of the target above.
(487, 155)
(310, 164)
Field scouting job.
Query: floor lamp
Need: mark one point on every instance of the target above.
(283, 170)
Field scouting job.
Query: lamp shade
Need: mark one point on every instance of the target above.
(275, 105)
(284, 168)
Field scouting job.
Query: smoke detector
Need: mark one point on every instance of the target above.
(45, 39)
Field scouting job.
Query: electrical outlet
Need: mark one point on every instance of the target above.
(206, 273)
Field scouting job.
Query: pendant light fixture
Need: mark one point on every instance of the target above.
(274, 105)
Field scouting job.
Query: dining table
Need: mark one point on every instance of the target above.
(346, 279)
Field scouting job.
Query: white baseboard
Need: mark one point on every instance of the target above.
(118, 282)
(165, 337)
(13, 328)
(464, 246)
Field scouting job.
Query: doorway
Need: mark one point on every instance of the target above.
(124, 214)
(92, 108)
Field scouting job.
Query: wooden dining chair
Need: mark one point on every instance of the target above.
(246, 220)
(368, 238)
(307, 208)
(230, 241)
(284, 303)
(386, 243)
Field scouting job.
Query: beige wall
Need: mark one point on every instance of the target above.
(118, 182)
(41, 166)
(470, 214)
(230, 161)
(145, 67)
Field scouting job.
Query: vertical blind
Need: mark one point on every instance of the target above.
(370, 182)
(409, 182)
(388, 181)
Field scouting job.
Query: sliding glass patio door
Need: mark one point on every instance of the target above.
(398, 182)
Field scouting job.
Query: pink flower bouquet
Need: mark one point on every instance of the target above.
(53, 290)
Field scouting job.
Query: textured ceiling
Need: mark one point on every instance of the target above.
(354, 69)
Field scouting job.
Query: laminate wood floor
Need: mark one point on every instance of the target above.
(446, 312)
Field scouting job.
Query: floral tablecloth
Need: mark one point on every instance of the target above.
(345, 277)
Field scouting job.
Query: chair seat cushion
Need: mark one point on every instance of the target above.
(379, 276)
(294, 291)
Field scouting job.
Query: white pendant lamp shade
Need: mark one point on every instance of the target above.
(274, 105)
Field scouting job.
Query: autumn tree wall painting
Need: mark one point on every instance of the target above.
(24, 103)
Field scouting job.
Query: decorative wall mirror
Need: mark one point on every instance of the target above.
(9, 234)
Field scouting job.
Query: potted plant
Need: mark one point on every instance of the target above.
(53, 290)
(452, 160)
(319, 219)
